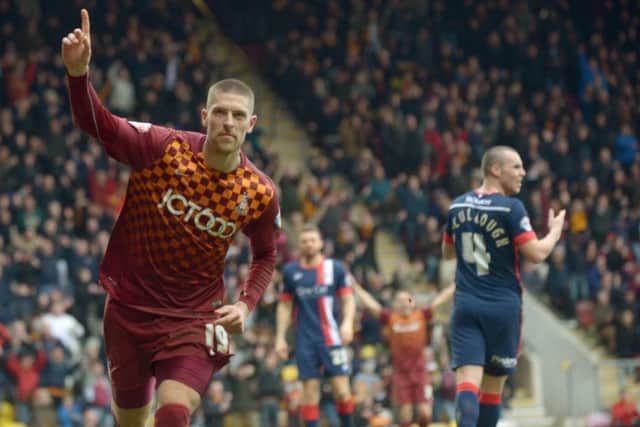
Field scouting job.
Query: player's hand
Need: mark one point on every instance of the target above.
(232, 317)
(282, 349)
(346, 333)
(76, 47)
(556, 222)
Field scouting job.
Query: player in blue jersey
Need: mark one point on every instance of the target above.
(486, 231)
(313, 285)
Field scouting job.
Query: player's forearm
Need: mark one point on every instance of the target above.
(260, 275)
(88, 112)
(348, 309)
(367, 300)
(543, 247)
(283, 319)
(444, 296)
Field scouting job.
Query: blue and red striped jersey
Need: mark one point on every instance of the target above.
(314, 292)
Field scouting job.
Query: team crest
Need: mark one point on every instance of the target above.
(243, 207)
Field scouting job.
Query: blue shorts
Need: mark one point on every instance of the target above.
(317, 360)
(486, 334)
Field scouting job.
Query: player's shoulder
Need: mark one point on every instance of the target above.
(195, 140)
(463, 200)
(263, 177)
(290, 267)
(337, 265)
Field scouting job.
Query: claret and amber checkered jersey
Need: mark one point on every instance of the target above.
(167, 250)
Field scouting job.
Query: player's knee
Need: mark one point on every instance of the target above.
(343, 395)
(172, 415)
(424, 411)
(424, 415)
(171, 392)
(131, 417)
(406, 413)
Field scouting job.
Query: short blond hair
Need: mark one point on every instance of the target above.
(235, 86)
(494, 155)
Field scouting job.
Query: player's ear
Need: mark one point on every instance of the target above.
(252, 122)
(203, 117)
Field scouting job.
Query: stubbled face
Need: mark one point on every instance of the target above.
(511, 173)
(403, 303)
(310, 244)
(227, 121)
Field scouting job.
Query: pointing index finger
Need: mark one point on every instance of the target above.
(86, 25)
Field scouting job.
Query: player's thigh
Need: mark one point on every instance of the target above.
(467, 339)
(425, 410)
(405, 412)
(129, 363)
(335, 361)
(503, 332)
(341, 388)
(308, 361)
(183, 379)
(493, 384)
(311, 391)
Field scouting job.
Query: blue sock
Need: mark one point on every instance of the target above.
(467, 405)
(311, 423)
(490, 405)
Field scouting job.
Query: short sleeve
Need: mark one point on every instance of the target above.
(519, 224)
(343, 281)
(447, 233)
(287, 291)
(385, 316)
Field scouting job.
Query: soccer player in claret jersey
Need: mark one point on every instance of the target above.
(408, 330)
(165, 322)
(486, 231)
(313, 284)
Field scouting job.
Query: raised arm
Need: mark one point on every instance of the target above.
(369, 302)
(537, 250)
(444, 296)
(136, 144)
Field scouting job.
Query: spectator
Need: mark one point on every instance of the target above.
(624, 413)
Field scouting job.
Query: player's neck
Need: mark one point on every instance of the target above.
(222, 162)
(310, 262)
(489, 187)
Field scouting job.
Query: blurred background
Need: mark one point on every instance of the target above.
(372, 116)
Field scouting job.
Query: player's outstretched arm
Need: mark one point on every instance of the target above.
(137, 147)
(444, 296)
(283, 319)
(369, 302)
(537, 250)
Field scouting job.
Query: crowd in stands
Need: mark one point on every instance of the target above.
(400, 97)
(404, 97)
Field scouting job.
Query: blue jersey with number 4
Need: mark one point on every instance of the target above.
(486, 230)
